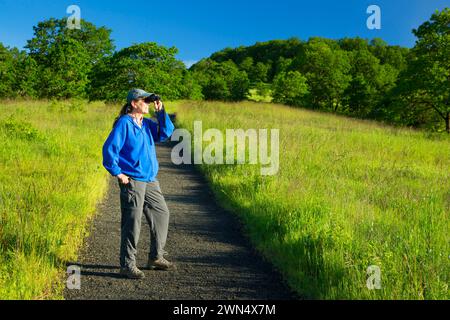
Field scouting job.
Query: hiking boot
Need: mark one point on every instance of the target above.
(132, 273)
(161, 264)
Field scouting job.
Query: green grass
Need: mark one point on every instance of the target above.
(51, 178)
(349, 194)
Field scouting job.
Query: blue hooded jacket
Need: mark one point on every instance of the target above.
(130, 149)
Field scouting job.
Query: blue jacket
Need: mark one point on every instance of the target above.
(130, 149)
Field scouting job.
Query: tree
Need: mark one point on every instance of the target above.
(266, 53)
(290, 88)
(282, 65)
(26, 75)
(65, 57)
(370, 82)
(191, 89)
(246, 64)
(259, 72)
(18, 73)
(67, 76)
(327, 70)
(355, 44)
(426, 83)
(216, 89)
(95, 40)
(221, 80)
(392, 55)
(7, 74)
(146, 65)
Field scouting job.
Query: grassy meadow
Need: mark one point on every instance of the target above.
(51, 178)
(349, 194)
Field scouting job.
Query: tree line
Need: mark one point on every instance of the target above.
(351, 76)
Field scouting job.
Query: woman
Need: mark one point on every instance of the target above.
(129, 154)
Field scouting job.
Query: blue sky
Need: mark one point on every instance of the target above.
(200, 27)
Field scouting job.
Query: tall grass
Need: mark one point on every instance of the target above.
(51, 178)
(349, 194)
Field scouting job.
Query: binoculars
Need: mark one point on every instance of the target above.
(152, 98)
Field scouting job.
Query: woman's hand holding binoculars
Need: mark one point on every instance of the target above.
(158, 105)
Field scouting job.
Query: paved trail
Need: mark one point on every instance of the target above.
(214, 260)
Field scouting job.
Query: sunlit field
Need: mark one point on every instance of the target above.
(349, 194)
(51, 178)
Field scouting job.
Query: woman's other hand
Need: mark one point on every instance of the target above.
(123, 179)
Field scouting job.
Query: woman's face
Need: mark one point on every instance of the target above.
(140, 106)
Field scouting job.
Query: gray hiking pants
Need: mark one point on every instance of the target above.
(136, 198)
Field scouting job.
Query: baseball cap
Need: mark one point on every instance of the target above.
(135, 94)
